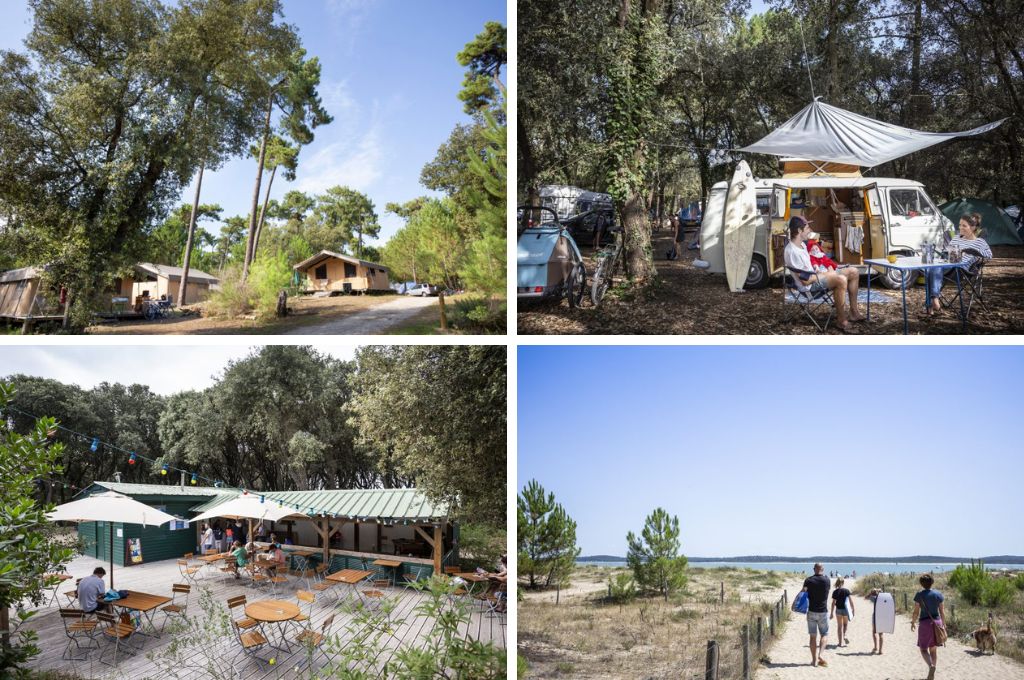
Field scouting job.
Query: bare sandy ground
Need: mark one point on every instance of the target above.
(791, 658)
(374, 320)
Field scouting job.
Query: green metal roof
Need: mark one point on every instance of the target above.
(384, 504)
(159, 489)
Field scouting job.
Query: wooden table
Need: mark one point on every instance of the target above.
(210, 559)
(58, 581)
(145, 603)
(273, 611)
(300, 558)
(394, 565)
(351, 578)
(472, 579)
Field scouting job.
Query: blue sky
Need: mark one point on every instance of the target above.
(390, 79)
(922, 457)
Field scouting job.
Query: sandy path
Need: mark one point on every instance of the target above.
(791, 659)
(374, 320)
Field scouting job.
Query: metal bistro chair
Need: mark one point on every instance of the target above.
(972, 284)
(187, 571)
(250, 643)
(72, 594)
(813, 301)
(323, 585)
(174, 608)
(313, 642)
(76, 628)
(117, 634)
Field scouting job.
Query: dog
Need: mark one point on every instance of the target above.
(985, 638)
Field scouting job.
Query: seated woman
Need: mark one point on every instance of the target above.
(277, 556)
(969, 238)
(241, 556)
(843, 282)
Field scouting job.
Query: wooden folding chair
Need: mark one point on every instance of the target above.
(313, 641)
(117, 634)
(245, 623)
(77, 628)
(250, 643)
(187, 571)
(174, 608)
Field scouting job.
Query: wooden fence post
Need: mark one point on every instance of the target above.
(952, 611)
(760, 632)
(785, 597)
(771, 622)
(711, 661)
(444, 313)
(905, 606)
(721, 598)
(746, 651)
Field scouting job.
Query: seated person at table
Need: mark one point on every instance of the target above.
(969, 238)
(241, 556)
(843, 282)
(277, 556)
(91, 591)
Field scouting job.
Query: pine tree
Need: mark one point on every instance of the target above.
(654, 556)
(547, 538)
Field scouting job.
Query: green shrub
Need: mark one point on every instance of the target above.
(522, 666)
(998, 593)
(970, 581)
(478, 315)
(232, 298)
(270, 274)
(1019, 581)
(621, 588)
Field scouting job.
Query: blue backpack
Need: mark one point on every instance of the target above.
(801, 602)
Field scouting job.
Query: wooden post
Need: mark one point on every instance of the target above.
(906, 607)
(326, 539)
(558, 592)
(438, 549)
(760, 632)
(711, 661)
(355, 534)
(952, 611)
(785, 597)
(771, 622)
(379, 540)
(444, 314)
(746, 651)
(721, 597)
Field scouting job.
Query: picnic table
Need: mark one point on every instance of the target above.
(910, 264)
(273, 611)
(351, 578)
(146, 604)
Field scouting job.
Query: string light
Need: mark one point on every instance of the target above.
(94, 447)
(194, 478)
(131, 459)
(163, 469)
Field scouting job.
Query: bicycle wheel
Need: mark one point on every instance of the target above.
(602, 280)
(577, 286)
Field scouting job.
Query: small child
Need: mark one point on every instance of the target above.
(876, 638)
(819, 259)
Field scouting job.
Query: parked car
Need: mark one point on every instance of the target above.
(892, 216)
(583, 226)
(422, 290)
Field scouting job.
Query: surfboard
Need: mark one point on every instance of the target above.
(741, 220)
(849, 610)
(885, 614)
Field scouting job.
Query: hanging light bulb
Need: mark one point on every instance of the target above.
(262, 498)
(163, 470)
(194, 478)
(245, 492)
(131, 459)
(95, 446)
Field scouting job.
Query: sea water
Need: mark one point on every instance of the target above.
(844, 568)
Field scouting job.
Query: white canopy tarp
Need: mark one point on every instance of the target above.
(825, 133)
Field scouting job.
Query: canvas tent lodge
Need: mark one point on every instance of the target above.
(159, 280)
(335, 272)
(23, 298)
(347, 528)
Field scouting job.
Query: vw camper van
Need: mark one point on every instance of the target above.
(858, 218)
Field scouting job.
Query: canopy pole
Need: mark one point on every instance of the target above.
(110, 525)
(807, 62)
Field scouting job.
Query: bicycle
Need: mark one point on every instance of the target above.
(607, 262)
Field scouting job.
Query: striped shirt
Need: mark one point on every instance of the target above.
(977, 244)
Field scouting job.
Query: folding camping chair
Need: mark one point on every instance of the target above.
(813, 301)
(972, 282)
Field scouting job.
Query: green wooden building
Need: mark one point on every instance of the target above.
(155, 542)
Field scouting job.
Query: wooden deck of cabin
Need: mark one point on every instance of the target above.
(157, 578)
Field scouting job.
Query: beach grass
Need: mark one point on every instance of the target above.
(962, 618)
(588, 636)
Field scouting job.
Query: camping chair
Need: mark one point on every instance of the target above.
(972, 282)
(117, 634)
(314, 642)
(813, 301)
(77, 628)
(250, 643)
(175, 609)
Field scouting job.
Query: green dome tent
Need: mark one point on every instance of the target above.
(997, 228)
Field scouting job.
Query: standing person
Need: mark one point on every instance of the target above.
(876, 637)
(842, 607)
(91, 590)
(929, 613)
(969, 238)
(218, 537)
(229, 537)
(843, 282)
(817, 587)
(239, 532)
(207, 541)
(261, 532)
(677, 237)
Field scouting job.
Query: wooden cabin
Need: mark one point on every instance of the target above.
(157, 280)
(330, 271)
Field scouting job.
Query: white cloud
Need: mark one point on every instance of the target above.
(348, 17)
(357, 165)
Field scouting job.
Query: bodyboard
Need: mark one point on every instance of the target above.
(885, 613)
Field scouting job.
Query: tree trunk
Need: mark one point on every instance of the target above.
(251, 243)
(263, 211)
(832, 49)
(527, 166)
(183, 287)
(639, 261)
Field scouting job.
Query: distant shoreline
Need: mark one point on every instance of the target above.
(911, 559)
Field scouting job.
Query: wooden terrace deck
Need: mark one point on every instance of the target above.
(157, 578)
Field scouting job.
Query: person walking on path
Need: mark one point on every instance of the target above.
(842, 607)
(876, 638)
(207, 538)
(817, 588)
(928, 614)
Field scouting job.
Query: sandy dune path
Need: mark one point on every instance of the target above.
(791, 658)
